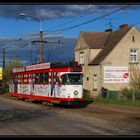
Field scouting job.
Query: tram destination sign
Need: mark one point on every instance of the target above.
(38, 66)
(21, 69)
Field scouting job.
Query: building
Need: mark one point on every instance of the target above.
(106, 57)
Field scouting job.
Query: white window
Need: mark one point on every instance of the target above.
(133, 55)
(94, 82)
(81, 58)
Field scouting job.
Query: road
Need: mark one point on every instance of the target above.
(24, 118)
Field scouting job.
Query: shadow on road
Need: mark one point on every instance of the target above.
(18, 115)
(80, 105)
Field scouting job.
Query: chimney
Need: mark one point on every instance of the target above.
(108, 30)
(123, 26)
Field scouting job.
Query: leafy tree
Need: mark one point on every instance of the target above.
(135, 76)
(13, 63)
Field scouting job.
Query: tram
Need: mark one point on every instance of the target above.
(54, 83)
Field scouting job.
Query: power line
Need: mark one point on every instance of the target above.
(92, 20)
(68, 22)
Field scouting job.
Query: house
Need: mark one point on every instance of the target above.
(106, 57)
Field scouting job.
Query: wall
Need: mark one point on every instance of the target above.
(119, 56)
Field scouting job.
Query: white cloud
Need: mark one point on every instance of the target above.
(56, 11)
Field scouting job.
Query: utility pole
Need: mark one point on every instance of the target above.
(3, 58)
(41, 34)
(41, 49)
(41, 41)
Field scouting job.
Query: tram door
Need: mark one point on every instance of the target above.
(52, 84)
(15, 83)
(55, 84)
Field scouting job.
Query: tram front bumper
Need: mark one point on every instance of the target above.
(73, 101)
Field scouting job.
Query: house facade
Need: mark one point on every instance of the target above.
(106, 57)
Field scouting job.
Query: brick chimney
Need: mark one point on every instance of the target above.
(123, 26)
(108, 30)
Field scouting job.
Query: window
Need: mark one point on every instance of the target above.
(81, 58)
(46, 76)
(133, 55)
(37, 79)
(94, 82)
(41, 78)
(72, 79)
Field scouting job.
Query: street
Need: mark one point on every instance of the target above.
(24, 118)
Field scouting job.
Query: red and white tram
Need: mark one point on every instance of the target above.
(50, 82)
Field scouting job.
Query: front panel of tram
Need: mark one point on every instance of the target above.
(72, 85)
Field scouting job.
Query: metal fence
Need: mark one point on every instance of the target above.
(117, 95)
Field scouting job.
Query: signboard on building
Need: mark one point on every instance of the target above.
(0, 73)
(116, 74)
(21, 69)
(38, 66)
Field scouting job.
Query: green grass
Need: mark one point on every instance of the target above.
(120, 102)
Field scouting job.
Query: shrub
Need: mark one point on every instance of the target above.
(129, 93)
(86, 93)
(134, 76)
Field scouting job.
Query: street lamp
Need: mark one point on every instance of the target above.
(41, 34)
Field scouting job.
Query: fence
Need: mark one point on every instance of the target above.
(117, 95)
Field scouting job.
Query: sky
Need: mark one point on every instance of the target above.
(63, 20)
(60, 18)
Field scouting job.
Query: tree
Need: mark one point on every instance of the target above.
(135, 76)
(6, 72)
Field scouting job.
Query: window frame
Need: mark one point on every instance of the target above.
(134, 55)
(82, 58)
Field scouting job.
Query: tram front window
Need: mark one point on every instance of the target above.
(72, 79)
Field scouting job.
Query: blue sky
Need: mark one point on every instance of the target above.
(62, 20)
(63, 16)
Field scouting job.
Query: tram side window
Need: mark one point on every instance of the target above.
(65, 79)
(41, 78)
(15, 79)
(58, 78)
(37, 78)
(22, 78)
(45, 77)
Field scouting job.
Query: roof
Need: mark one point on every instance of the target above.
(95, 39)
(110, 40)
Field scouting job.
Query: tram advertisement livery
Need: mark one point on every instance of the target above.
(51, 82)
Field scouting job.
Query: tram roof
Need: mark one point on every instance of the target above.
(48, 65)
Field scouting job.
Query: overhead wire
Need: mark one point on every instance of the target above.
(84, 23)
(74, 19)
(92, 20)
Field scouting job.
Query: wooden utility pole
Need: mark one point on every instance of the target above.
(3, 58)
(41, 49)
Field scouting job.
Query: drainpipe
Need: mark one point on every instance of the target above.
(101, 77)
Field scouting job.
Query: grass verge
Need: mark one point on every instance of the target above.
(120, 102)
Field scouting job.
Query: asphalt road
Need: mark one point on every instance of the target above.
(23, 118)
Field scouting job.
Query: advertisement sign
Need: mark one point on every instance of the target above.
(38, 66)
(0, 73)
(116, 74)
(21, 69)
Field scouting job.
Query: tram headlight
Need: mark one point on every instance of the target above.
(75, 92)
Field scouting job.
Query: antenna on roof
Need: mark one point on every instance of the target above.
(110, 22)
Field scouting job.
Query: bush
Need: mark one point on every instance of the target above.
(129, 93)
(86, 93)
(137, 93)
(125, 93)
